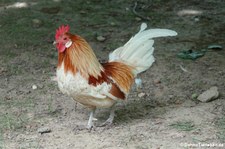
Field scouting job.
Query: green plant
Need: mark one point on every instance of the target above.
(183, 126)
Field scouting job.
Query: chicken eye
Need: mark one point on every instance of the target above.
(65, 38)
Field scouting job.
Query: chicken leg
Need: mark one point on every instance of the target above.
(109, 121)
(90, 124)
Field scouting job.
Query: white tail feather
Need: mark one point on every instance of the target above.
(138, 51)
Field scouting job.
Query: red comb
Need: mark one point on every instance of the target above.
(61, 30)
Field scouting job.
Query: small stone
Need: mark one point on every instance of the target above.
(177, 135)
(157, 81)
(7, 97)
(138, 19)
(44, 130)
(83, 12)
(34, 87)
(113, 24)
(194, 96)
(178, 102)
(2, 70)
(141, 95)
(101, 38)
(171, 96)
(36, 23)
(127, 9)
(209, 95)
(196, 19)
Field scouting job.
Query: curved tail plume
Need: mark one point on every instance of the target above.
(138, 51)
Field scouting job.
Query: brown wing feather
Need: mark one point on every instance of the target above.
(115, 91)
(119, 75)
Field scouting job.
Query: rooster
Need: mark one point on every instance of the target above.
(101, 85)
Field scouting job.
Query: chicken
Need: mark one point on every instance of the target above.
(102, 85)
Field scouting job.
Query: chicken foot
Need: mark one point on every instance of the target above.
(109, 121)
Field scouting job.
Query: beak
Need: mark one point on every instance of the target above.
(54, 43)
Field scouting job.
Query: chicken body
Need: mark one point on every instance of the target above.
(80, 90)
(96, 85)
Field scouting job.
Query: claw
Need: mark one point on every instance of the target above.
(109, 121)
(90, 127)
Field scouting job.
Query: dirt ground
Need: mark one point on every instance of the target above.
(164, 114)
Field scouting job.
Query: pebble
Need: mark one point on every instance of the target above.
(113, 24)
(194, 96)
(157, 81)
(36, 23)
(141, 95)
(101, 38)
(44, 130)
(209, 95)
(7, 97)
(127, 9)
(2, 70)
(34, 87)
(170, 96)
(138, 19)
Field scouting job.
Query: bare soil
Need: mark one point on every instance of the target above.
(167, 116)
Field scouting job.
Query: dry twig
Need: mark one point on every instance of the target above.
(137, 14)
